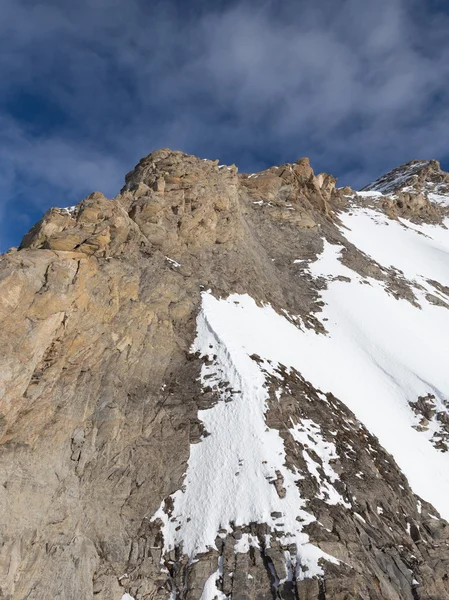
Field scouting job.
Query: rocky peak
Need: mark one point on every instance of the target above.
(416, 177)
(177, 199)
(172, 201)
(169, 201)
(296, 187)
(411, 174)
(417, 189)
(167, 169)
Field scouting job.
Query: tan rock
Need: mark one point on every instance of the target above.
(100, 393)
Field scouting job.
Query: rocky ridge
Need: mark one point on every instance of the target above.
(417, 188)
(104, 397)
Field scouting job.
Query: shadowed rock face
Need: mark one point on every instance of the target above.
(100, 391)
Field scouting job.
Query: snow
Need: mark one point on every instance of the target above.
(370, 194)
(309, 435)
(421, 252)
(127, 597)
(231, 472)
(69, 209)
(210, 589)
(403, 180)
(376, 362)
(309, 563)
(380, 354)
(246, 542)
(262, 203)
(172, 262)
(441, 199)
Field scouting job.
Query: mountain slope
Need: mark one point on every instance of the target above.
(222, 385)
(415, 182)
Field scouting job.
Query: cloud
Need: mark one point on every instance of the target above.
(358, 87)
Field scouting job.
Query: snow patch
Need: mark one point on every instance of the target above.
(441, 199)
(309, 435)
(210, 589)
(69, 209)
(232, 472)
(370, 194)
(172, 262)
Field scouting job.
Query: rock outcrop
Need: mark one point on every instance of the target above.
(100, 393)
(414, 190)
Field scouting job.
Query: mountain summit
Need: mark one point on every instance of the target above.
(418, 177)
(229, 386)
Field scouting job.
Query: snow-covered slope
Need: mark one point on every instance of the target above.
(235, 468)
(379, 355)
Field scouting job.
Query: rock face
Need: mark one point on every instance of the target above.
(123, 397)
(414, 189)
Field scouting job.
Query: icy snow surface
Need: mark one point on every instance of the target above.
(379, 354)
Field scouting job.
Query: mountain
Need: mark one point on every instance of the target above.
(231, 386)
(417, 180)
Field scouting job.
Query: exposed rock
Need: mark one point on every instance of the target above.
(100, 392)
(417, 189)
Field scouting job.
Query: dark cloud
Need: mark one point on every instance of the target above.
(89, 87)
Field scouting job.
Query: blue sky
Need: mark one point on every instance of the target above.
(89, 87)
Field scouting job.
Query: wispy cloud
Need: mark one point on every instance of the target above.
(358, 87)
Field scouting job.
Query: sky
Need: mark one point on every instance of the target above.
(87, 88)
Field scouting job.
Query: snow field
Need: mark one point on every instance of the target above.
(379, 354)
